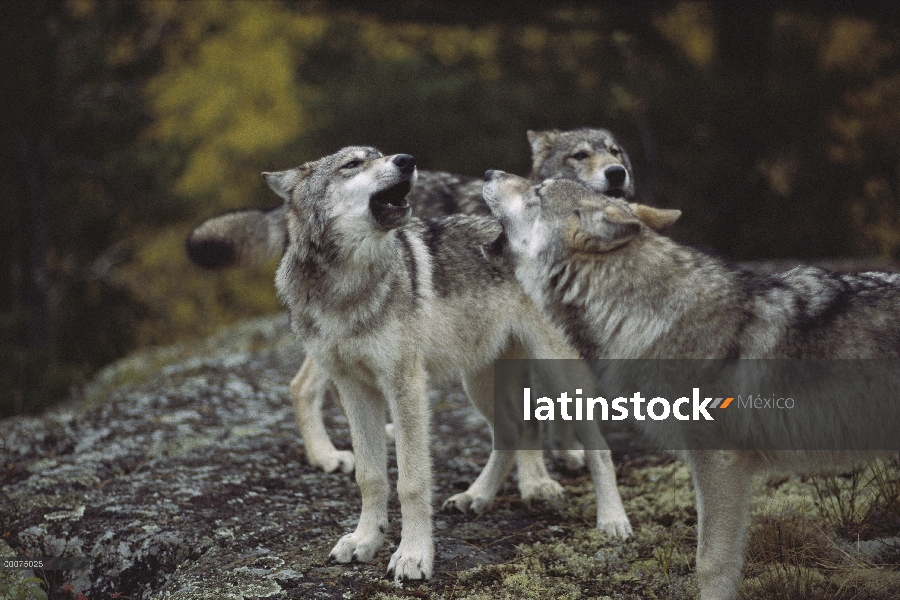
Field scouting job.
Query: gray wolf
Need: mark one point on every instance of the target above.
(360, 276)
(599, 269)
(591, 155)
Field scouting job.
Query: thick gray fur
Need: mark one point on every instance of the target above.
(599, 270)
(382, 302)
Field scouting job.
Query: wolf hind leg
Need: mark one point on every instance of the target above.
(565, 446)
(308, 390)
(535, 482)
(611, 516)
(479, 387)
(558, 375)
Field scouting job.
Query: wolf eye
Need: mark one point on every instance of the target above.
(352, 164)
(615, 151)
(580, 155)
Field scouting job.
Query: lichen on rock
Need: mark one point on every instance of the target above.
(180, 474)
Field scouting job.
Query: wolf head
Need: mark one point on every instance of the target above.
(561, 218)
(357, 182)
(592, 156)
(356, 185)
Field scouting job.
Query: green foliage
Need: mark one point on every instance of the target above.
(793, 553)
(182, 301)
(671, 553)
(864, 503)
(26, 589)
(840, 500)
(227, 97)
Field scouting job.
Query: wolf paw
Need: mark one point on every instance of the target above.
(616, 528)
(467, 501)
(572, 459)
(412, 560)
(544, 489)
(332, 461)
(355, 547)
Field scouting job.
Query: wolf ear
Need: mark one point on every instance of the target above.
(655, 218)
(542, 141)
(284, 182)
(281, 182)
(603, 230)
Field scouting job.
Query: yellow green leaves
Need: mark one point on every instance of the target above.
(228, 94)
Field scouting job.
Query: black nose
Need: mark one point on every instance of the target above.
(405, 162)
(489, 174)
(615, 175)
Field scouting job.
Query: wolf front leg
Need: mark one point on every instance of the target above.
(308, 390)
(364, 406)
(407, 397)
(722, 481)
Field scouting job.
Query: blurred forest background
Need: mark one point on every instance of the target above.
(774, 126)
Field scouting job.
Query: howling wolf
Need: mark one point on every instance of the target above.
(382, 301)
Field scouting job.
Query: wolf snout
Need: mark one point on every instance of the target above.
(405, 163)
(615, 175)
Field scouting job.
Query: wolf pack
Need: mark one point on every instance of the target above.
(396, 278)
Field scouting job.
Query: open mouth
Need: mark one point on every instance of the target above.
(394, 196)
(389, 207)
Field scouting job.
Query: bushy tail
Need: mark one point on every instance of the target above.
(239, 238)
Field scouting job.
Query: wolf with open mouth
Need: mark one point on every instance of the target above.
(383, 301)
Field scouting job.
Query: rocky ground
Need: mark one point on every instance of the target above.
(180, 474)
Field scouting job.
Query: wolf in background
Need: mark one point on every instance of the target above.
(599, 269)
(591, 155)
(360, 277)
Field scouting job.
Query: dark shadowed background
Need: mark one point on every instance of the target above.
(774, 126)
